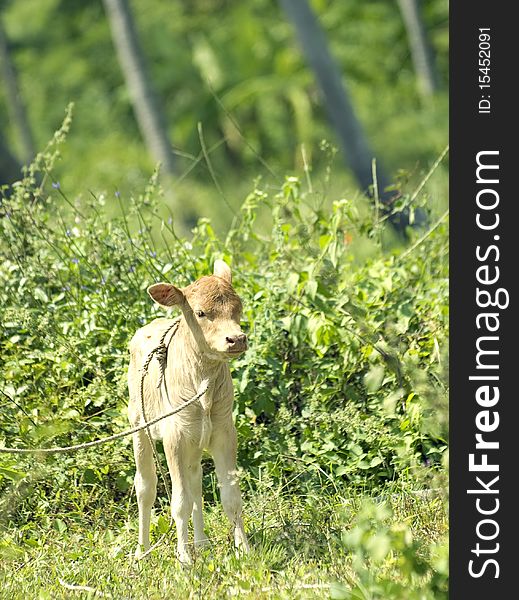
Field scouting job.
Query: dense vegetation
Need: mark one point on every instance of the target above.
(341, 399)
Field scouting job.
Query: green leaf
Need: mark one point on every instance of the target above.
(373, 379)
(39, 294)
(311, 288)
(12, 474)
(162, 524)
(338, 591)
(60, 526)
(378, 546)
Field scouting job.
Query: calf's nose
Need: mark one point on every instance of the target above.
(236, 340)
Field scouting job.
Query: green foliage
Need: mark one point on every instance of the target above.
(343, 389)
(236, 68)
(390, 562)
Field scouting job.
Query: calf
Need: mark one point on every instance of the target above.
(207, 337)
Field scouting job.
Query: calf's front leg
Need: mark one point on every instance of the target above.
(223, 447)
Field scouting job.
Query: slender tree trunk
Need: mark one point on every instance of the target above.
(421, 50)
(10, 170)
(149, 115)
(357, 152)
(15, 105)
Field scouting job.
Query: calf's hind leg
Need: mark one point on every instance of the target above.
(145, 487)
(198, 517)
(183, 460)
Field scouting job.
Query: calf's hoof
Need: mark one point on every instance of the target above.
(184, 558)
(203, 543)
(241, 543)
(140, 551)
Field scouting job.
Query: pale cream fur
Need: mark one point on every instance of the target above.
(208, 336)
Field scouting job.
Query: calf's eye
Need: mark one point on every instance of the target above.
(200, 313)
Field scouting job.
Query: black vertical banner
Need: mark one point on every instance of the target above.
(484, 432)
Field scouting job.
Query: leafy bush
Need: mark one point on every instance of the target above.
(392, 564)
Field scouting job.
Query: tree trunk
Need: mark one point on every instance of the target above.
(10, 170)
(357, 152)
(149, 115)
(15, 105)
(421, 51)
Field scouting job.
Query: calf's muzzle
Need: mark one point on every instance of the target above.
(237, 343)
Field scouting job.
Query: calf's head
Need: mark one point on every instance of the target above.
(212, 310)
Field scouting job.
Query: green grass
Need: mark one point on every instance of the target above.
(297, 550)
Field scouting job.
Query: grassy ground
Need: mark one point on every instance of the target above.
(297, 540)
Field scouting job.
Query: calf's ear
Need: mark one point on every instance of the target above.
(166, 294)
(223, 270)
